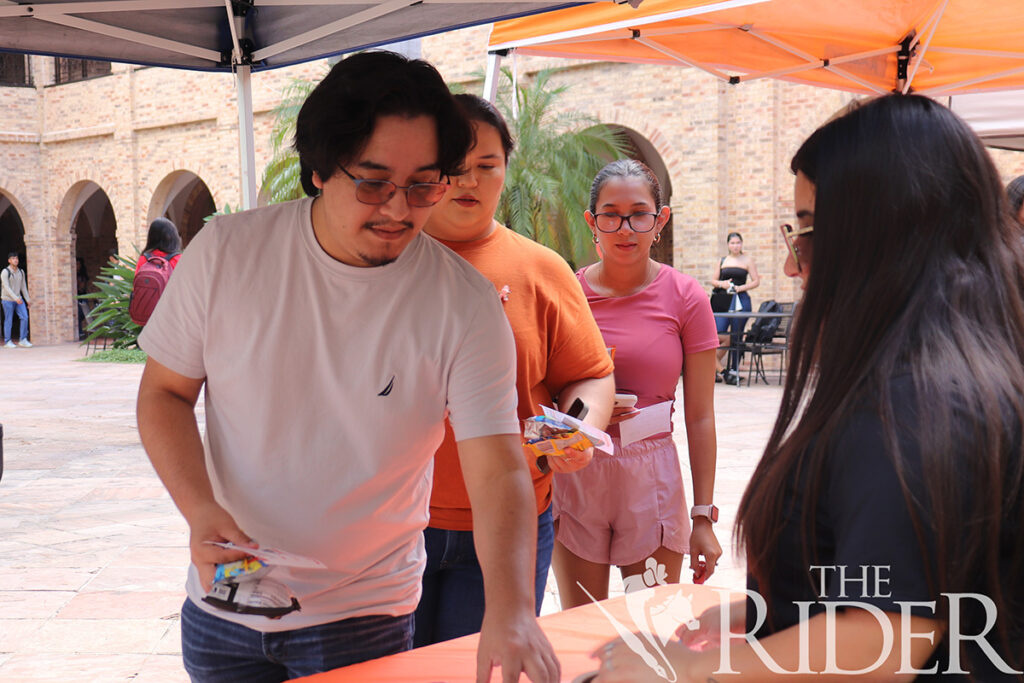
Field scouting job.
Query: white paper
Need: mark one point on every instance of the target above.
(601, 441)
(649, 421)
(274, 556)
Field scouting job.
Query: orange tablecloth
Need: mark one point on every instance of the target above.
(574, 633)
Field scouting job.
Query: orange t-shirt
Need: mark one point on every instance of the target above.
(557, 343)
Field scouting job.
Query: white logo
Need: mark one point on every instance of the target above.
(657, 622)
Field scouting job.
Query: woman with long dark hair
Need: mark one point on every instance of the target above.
(161, 240)
(893, 477)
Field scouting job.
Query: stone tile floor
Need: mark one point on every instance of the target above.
(93, 552)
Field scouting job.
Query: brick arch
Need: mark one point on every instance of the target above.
(87, 224)
(15, 202)
(629, 118)
(656, 141)
(198, 203)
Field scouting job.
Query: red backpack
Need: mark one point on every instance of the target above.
(150, 282)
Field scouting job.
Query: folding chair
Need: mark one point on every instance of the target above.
(778, 346)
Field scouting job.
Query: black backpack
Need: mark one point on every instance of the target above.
(763, 330)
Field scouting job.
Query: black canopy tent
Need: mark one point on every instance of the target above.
(237, 36)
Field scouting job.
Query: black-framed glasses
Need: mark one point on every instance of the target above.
(789, 233)
(642, 221)
(419, 195)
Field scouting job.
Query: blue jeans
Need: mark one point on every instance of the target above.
(452, 604)
(10, 307)
(219, 651)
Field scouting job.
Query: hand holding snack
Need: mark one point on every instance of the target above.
(547, 436)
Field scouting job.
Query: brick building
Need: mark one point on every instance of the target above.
(91, 152)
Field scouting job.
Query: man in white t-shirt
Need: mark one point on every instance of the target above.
(332, 339)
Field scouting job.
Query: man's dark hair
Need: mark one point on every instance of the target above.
(340, 114)
(12, 254)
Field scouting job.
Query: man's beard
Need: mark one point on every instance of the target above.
(381, 260)
(377, 261)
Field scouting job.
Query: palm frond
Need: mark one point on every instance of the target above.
(557, 155)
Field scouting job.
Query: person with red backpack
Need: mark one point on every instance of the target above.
(156, 263)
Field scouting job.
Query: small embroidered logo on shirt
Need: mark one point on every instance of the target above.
(387, 389)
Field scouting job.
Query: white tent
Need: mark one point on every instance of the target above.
(997, 117)
(238, 36)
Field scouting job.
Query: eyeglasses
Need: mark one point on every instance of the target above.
(789, 233)
(637, 222)
(419, 195)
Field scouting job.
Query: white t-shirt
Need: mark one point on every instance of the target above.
(324, 406)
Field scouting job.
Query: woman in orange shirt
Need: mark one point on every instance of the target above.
(560, 356)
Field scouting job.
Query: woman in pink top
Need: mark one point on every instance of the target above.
(625, 508)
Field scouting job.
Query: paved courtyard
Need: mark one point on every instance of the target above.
(93, 553)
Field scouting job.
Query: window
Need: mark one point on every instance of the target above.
(14, 70)
(67, 70)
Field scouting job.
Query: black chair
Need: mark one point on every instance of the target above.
(777, 346)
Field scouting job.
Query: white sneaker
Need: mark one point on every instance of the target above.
(25, 343)
(9, 345)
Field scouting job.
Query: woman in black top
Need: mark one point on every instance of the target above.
(737, 274)
(883, 525)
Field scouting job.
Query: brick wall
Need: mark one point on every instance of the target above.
(726, 148)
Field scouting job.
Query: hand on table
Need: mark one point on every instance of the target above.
(708, 635)
(211, 522)
(620, 664)
(517, 645)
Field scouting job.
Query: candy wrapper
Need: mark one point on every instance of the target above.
(548, 436)
(245, 586)
(253, 595)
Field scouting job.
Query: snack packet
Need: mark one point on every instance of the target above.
(547, 436)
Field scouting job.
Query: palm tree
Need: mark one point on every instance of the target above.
(281, 174)
(557, 155)
(549, 174)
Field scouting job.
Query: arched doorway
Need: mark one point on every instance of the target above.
(94, 236)
(184, 199)
(12, 239)
(641, 149)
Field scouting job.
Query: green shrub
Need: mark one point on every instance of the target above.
(116, 356)
(109, 318)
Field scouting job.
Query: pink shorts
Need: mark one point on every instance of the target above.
(621, 508)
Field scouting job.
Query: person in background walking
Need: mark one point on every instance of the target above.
(15, 300)
(163, 240)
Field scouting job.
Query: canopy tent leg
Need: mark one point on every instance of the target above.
(246, 139)
(491, 76)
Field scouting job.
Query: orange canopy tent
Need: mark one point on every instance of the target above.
(933, 47)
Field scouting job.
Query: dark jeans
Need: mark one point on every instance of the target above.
(453, 585)
(218, 651)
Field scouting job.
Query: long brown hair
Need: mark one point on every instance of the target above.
(917, 270)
